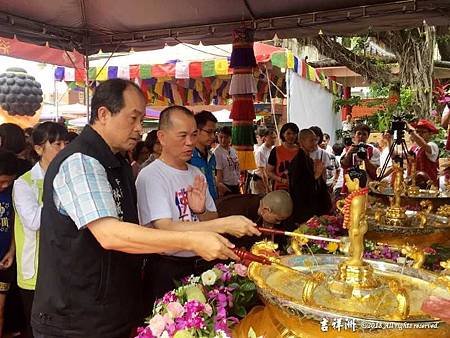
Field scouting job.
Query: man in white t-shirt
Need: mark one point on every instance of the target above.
(260, 180)
(173, 195)
(227, 164)
(320, 154)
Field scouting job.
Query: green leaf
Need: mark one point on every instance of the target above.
(249, 286)
(240, 311)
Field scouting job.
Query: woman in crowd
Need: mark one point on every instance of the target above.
(282, 155)
(227, 165)
(153, 144)
(12, 138)
(140, 154)
(48, 138)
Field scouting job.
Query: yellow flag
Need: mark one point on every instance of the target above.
(102, 74)
(221, 66)
(290, 60)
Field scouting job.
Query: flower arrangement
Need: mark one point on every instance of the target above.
(325, 226)
(203, 306)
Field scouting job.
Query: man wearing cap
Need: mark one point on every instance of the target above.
(426, 152)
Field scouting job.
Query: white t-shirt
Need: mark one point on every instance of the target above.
(162, 193)
(374, 159)
(347, 126)
(320, 154)
(261, 157)
(329, 149)
(434, 152)
(340, 180)
(228, 162)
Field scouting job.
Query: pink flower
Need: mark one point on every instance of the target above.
(157, 325)
(175, 309)
(144, 333)
(429, 250)
(240, 269)
(169, 297)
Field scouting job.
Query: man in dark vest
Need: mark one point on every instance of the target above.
(88, 282)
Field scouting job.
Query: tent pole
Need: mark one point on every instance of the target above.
(288, 94)
(86, 86)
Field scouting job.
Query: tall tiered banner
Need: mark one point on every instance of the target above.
(242, 90)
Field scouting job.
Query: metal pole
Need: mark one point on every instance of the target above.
(288, 94)
(86, 85)
(55, 99)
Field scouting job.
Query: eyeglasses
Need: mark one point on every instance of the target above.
(209, 132)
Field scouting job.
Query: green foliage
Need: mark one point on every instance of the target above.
(441, 139)
(351, 101)
(382, 118)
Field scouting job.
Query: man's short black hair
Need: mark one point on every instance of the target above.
(165, 121)
(318, 133)
(8, 163)
(109, 94)
(338, 148)
(203, 117)
(138, 149)
(261, 131)
(288, 126)
(362, 127)
(225, 130)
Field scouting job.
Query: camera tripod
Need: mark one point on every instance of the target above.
(398, 140)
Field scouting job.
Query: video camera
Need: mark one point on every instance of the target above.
(398, 127)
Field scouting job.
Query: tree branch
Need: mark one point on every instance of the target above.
(370, 71)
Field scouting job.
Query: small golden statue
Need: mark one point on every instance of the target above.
(413, 189)
(355, 220)
(395, 214)
(354, 276)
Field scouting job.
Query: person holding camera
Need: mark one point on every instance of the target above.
(426, 151)
(361, 152)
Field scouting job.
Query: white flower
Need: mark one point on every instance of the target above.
(157, 325)
(221, 334)
(165, 334)
(209, 277)
(175, 309)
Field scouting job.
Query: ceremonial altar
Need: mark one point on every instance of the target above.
(372, 290)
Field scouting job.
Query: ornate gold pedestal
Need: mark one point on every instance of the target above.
(353, 281)
(271, 322)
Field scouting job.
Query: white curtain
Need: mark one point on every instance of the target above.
(311, 105)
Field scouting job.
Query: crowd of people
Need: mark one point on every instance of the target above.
(96, 226)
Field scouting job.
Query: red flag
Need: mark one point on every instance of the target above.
(134, 71)
(163, 70)
(195, 69)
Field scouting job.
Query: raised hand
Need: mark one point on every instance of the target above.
(197, 195)
(318, 168)
(210, 246)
